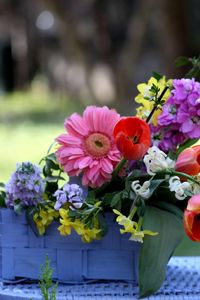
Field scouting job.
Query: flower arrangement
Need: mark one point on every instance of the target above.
(145, 169)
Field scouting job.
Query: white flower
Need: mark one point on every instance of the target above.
(141, 190)
(156, 160)
(180, 188)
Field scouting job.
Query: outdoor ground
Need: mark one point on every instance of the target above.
(29, 123)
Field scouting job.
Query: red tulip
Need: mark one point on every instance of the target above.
(189, 161)
(192, 218)
(132, 137)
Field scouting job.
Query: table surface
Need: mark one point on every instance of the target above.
(182, 282)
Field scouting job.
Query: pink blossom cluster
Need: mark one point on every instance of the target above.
(180, 118)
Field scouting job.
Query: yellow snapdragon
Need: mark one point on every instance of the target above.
(43, 218)
(144, 110)
(67, 224)
(132, 227)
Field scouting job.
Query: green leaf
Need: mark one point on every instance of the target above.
(29, 218)
(157, 250)
(116, 199)
(2, 184)
(2, 200)
(170, 208)
(182, 61)
(137, 174)
(155, 183)
(156, 75)
(107, 198)
(54, 178)
(18, 208)
(185, 145)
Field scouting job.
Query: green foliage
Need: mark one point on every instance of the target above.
(2, 195)
(156, 252)
(185, 145)
(157, 76)
(193, 63)
(48, 289)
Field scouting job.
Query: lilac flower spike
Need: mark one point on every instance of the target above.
(71, 193)
(25, 186)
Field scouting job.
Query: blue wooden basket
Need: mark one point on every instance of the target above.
(114, 257)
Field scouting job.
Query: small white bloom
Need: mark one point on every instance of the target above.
(174, 182)
(156, 160)
(136, 239)
(180, 188)
(141, 190)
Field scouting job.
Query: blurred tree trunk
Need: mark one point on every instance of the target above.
(173, 34)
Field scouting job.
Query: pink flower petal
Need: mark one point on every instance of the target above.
(66, 139)
(79, 153)
(76, 126)
(106, 165)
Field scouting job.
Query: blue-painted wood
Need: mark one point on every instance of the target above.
(114, 257)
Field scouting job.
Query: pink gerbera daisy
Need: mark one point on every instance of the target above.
(88, 147)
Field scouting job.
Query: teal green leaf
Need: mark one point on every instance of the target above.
(157, 250)
(170, 208)
(155, 183)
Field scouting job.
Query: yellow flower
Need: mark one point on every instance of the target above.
(65, 220)
(43, 218)
(147, 105)
(132, 227)
(87, 234)
(137, 234)
(38, 222)
(123, 220)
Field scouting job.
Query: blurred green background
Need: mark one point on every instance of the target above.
(56, 57)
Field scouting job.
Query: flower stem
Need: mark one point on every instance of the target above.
(114, 174)
(132, 212)
(156, 104)
(118, 167)
(179, 174)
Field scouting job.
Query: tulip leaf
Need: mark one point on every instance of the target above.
(157, 250)
(154, 185)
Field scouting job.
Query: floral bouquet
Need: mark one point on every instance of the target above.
(144, 169)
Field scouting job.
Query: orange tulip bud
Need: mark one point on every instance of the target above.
(132, 137)
(189, 161)
(191, 218)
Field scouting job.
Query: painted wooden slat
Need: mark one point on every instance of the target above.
(69, 265)
(23, 252)
(8, 263)
(28, 261)
(110, 264)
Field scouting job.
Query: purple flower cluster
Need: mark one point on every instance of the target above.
(25, 186)
(71, 193)
(180, 118)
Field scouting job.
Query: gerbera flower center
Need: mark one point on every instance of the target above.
(97, 145)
